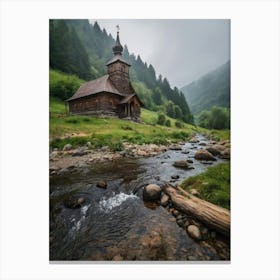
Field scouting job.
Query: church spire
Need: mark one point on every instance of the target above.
(117, 49)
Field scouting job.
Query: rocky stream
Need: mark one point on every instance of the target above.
(97, 211)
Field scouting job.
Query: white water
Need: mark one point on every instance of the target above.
(107, 205)
(77, 224)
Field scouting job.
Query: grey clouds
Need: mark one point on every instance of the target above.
(180, 49)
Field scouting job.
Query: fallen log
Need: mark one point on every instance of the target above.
(210, 214)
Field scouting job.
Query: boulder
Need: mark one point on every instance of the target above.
(102, 184)
(203, 155)
(225, 154)
(202, 144)
(151, 192)
(175, 177)
(182, 164)
(215, 150)
(67, 147)
(194, 232)
(193, 140)
(175, 147)
(164, 200)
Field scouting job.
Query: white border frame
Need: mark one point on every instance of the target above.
(255, 136)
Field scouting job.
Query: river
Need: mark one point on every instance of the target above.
(115, 224)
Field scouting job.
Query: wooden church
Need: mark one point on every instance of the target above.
(110, 95)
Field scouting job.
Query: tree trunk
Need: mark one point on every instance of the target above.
(211, 215)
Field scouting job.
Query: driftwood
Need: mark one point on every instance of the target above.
(211, 215)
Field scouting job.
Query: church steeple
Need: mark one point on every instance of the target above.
(118, 48)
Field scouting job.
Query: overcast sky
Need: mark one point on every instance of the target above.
(181, 50)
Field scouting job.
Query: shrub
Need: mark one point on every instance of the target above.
(168, 123)
(179, 124)
(161, 119)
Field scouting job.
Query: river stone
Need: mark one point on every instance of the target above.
(203, 155)
(175, 212)
(102, 184)
(181, 164)
(175, 177)
(215, 149)
(225, 154)
(74, 202)
(189, 161)
(185, 152)
(164, 200)
(180, 222)
(175, 147)
(151, 192)
(194, 232)
(193, 140)
(202, 144)
(67, 147)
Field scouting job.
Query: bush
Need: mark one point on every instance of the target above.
(63, 86)
(179, 124)
(161, 119)
(168, 123)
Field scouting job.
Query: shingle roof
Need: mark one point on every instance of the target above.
(127, 98)
(117, 57)
(95, 86)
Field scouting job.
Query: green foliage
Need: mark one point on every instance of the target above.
(179, 124)
(168, 123)
(62, 85)
(217, 118)
(161, 119)
(213, 184)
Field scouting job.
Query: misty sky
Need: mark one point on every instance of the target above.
(181, 50)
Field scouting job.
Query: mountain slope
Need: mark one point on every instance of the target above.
(213, 89)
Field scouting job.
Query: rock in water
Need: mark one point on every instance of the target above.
(164, 200)
(203, 155)
(193, 140)
(102, 184)
(215, 150)
(194, 232)
(182, 164)
(175, 147)
(74, 202)
(151, 192)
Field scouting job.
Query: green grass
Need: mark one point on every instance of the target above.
(78, 130)
(112, 132)
(213, 184)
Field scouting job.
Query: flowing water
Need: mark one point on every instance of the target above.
(115, 221)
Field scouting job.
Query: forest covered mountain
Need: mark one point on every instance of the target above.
(212, 89)
(80, 48)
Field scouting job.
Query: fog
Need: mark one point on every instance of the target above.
(181, 50)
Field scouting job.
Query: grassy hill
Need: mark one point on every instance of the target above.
(78, 130)
(213, 89)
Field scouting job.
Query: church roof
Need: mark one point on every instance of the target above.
(127, 98)
(95, 86)
(115, 58)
